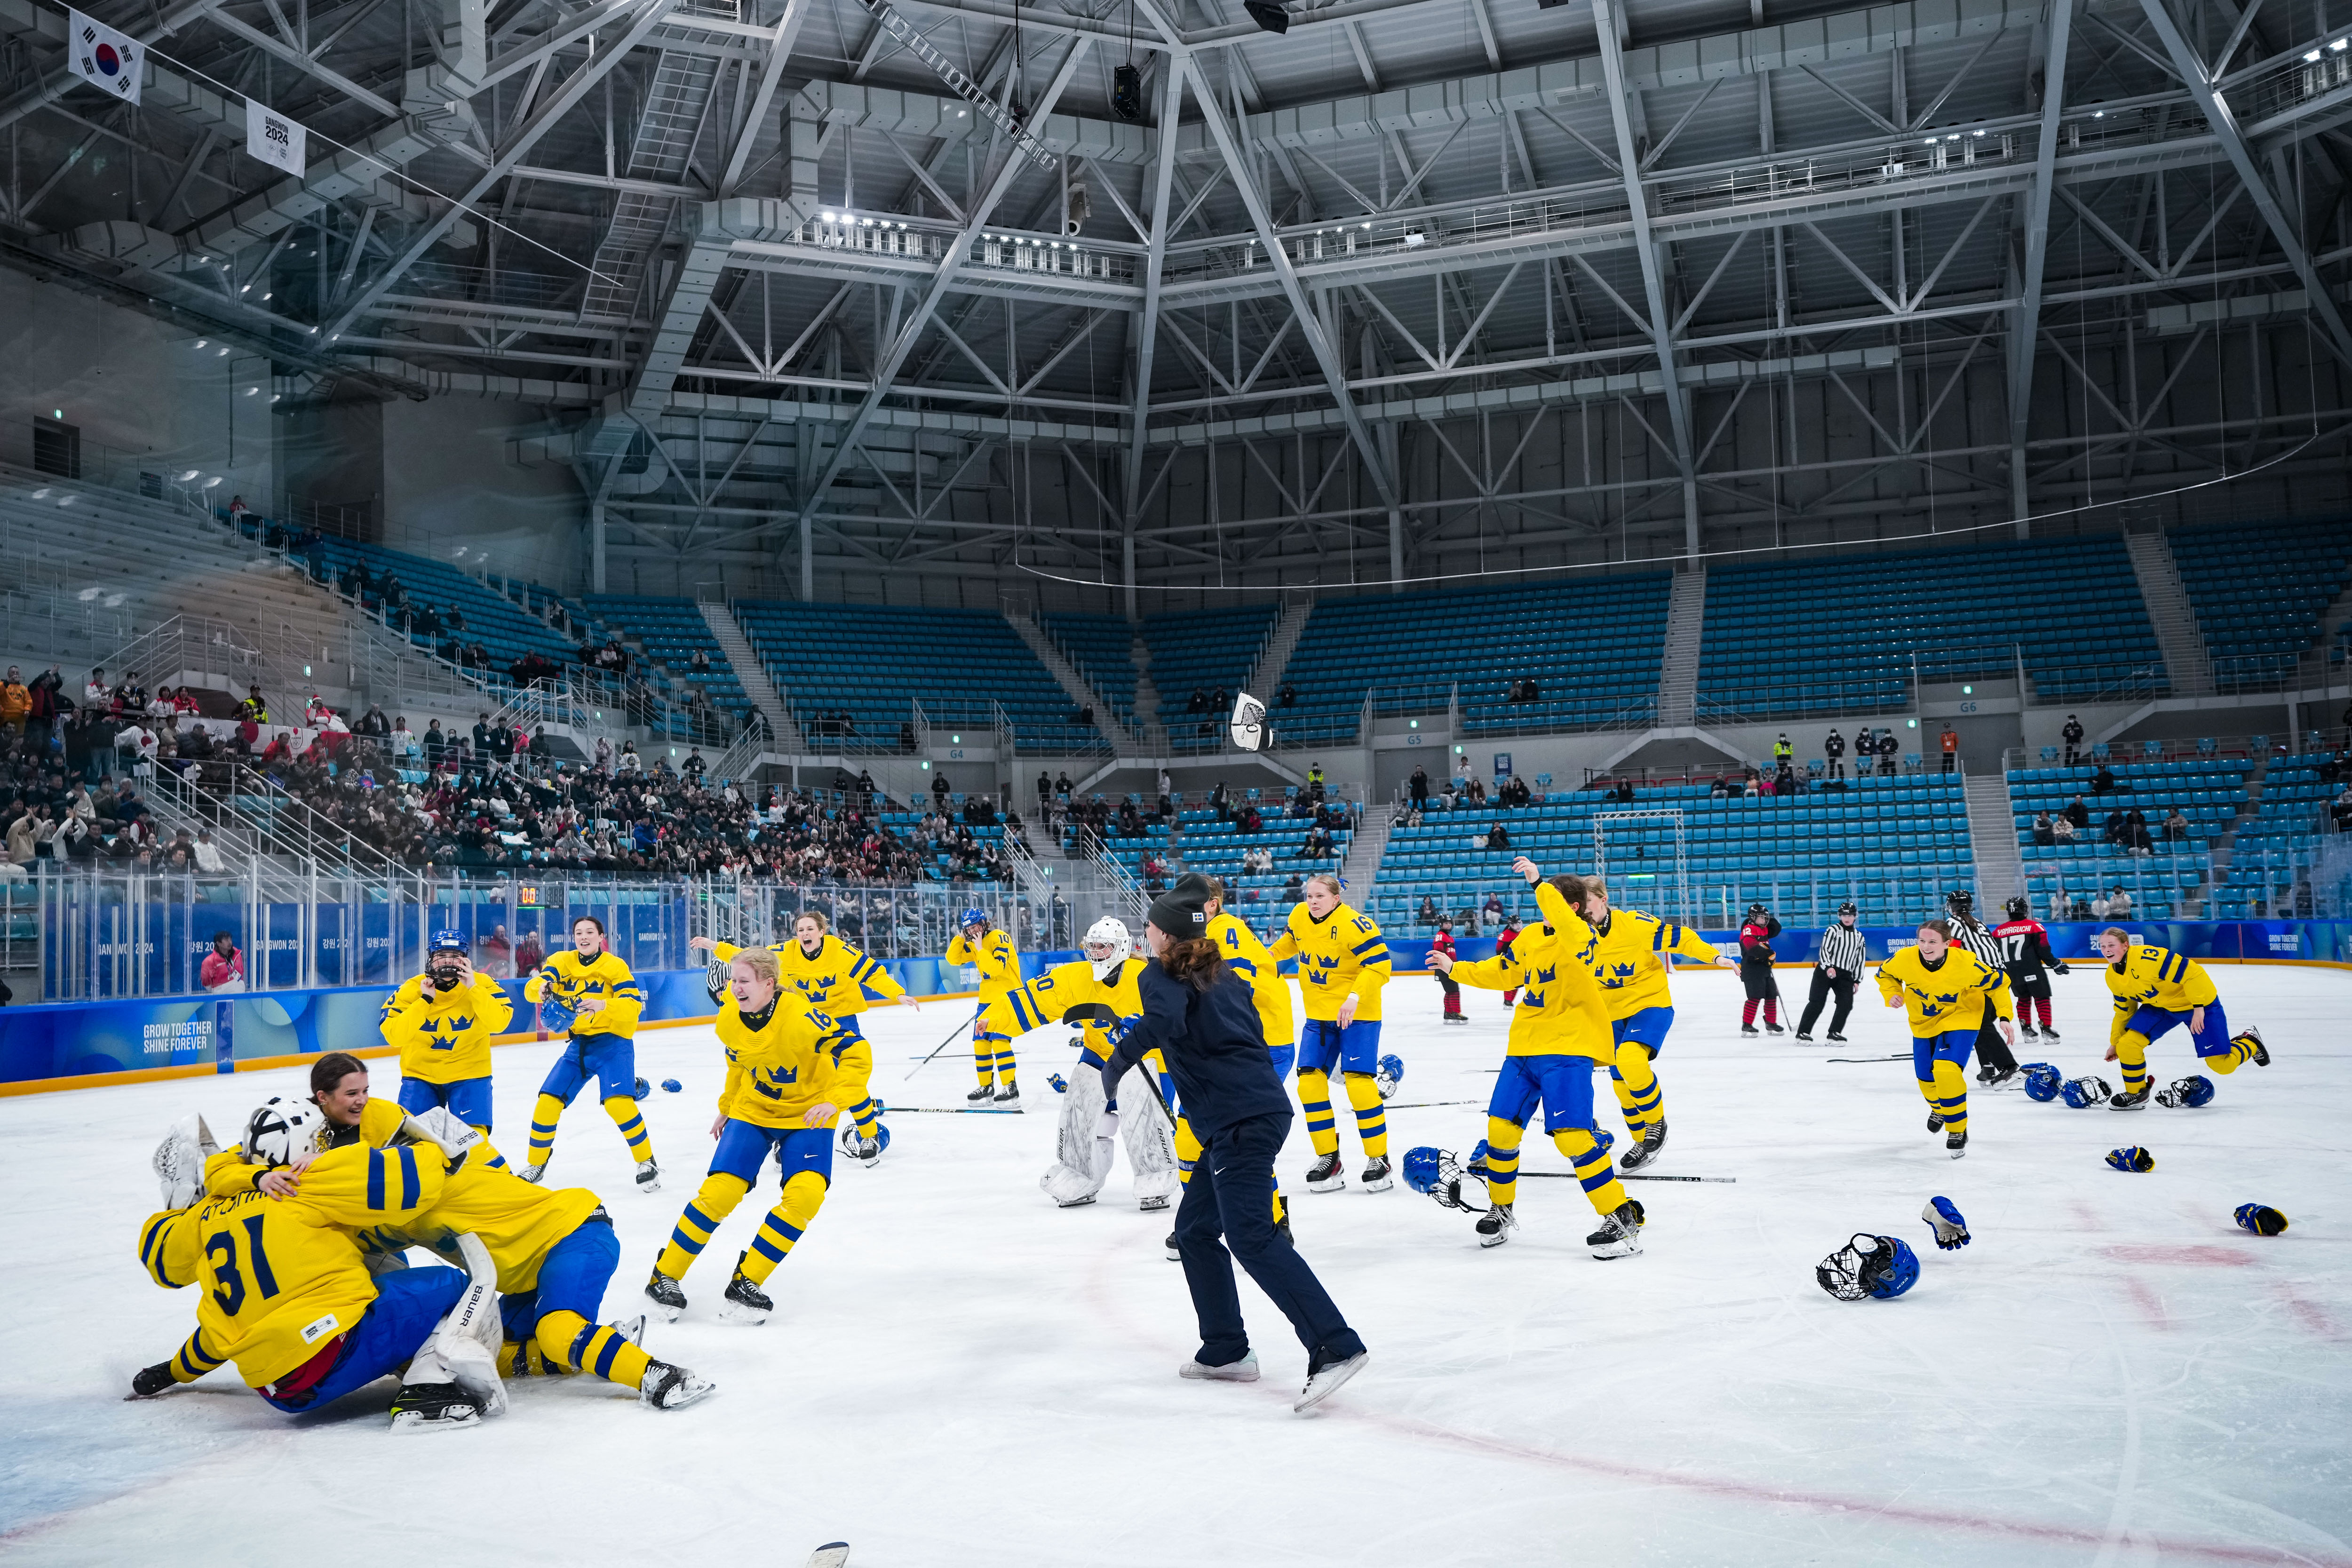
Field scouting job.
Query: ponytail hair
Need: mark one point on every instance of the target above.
(328, 1071)
(1195, 961)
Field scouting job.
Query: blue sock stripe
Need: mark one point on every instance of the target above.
(580, 1342)
(1596, 1180)
(608, 1352)
(698, 1219)
(633, 1126)
(685, 1241)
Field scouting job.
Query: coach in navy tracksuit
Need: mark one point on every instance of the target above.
(1200, 1017)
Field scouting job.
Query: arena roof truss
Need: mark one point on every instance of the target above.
(1416, 283)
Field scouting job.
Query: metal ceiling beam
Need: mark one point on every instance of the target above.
(2257, 186)
(1147, 337)
(2025, 327)
(1647, 246)
(902, 343)
(559, 103)
(1310, 323)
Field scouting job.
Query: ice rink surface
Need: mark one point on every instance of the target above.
(961, 1374)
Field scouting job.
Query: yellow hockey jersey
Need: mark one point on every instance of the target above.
(444, 1036)
(517, 1222)
(1044, 1000)
(1561, 1009)
(281, 1276)
(567, 979)
(1247, 957)
(2159, 977)
(832, 980)
(799, 1057)
(999, 965)
(1630, 958)
(1952, 995)
(1342, 954)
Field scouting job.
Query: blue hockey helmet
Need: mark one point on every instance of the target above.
(446, 940)
(2192, 1091)
(2041, 1081)
(644, 1089)
(973, 917)
(1421, 1168)
(2082, 1093)
(1880, 1265)
(1897, 1273)
(1393, 1066)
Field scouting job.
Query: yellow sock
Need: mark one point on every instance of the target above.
(1502, 1159)
(1371, 1115)
(1314, 1098)
(803, 1196)
(720, 1195)
(866, 1115)
(1949, 1096)
(2242, 1050)
(625, 1116)
(1639, 1095)
(1004, 1064)
(583, 1346)
(984, 1059)
(543, 1117)
(1594, 1171)
(2131, 1056)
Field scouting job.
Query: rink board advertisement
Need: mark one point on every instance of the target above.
(74, 1040)
(2222, 940)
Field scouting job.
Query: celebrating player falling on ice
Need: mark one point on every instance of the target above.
(1630, 959)
(1948, 995)
(2156, 990)
(1558, 1032)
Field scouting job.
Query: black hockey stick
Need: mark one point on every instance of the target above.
(1427, 1104)
(1900, 1056)
(1621, 1175)
(1080, 1014)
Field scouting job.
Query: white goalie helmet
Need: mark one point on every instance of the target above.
(1111, 935)
(278, 1130)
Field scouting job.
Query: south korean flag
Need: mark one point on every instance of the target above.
(1248, 725)
(104, 57)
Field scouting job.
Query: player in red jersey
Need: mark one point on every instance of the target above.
(2026, 952)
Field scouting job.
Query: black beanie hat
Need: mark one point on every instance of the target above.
(1182, 912)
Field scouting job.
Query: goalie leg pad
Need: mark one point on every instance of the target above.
(1081, 1160)
(1151, 1141)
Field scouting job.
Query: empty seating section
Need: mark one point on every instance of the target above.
(2207, 791)
(871, 659)
(503, 628)
(1592, 648)
(1101, 647)
(1838, 635)
(1205, 649)
(2258, 590)
(671, 631)
(1893, 845)
(2271, 855)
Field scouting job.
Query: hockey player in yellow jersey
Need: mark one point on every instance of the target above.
(1343, 962)
(287, 1294)
(1099, 994)
(789, 1069)
(1945, 990)
(1631, 959)
(833, 978)
(2154, 990)
(1559, 1029)
(590, 993)
(441, 1022)
(978, 943)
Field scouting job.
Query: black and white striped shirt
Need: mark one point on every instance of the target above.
(1979, 939)
(1841, 949)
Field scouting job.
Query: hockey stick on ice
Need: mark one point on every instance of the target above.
(944, 1045)
(1621, 1175)
(1899, 1057)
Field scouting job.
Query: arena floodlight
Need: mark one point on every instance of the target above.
(1271, 17)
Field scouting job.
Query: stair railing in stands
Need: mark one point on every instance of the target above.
(741, 760)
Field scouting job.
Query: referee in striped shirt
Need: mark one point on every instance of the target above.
(1996, 1066)
(1835, 971)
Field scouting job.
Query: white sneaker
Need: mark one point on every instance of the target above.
(1242, 1371)
(1323, 1384)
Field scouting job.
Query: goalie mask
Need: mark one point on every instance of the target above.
(1880, 1265)
(1108, 945)
(1248, 724)
(280, 1129)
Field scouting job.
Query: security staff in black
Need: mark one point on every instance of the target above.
(1837, 968)
(1996, 1066)
(2072, 735)
(1833, 753)
(1200, 1017)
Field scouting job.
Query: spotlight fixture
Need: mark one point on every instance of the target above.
(1267, 14)
(1076, 211)
(1127, 92)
